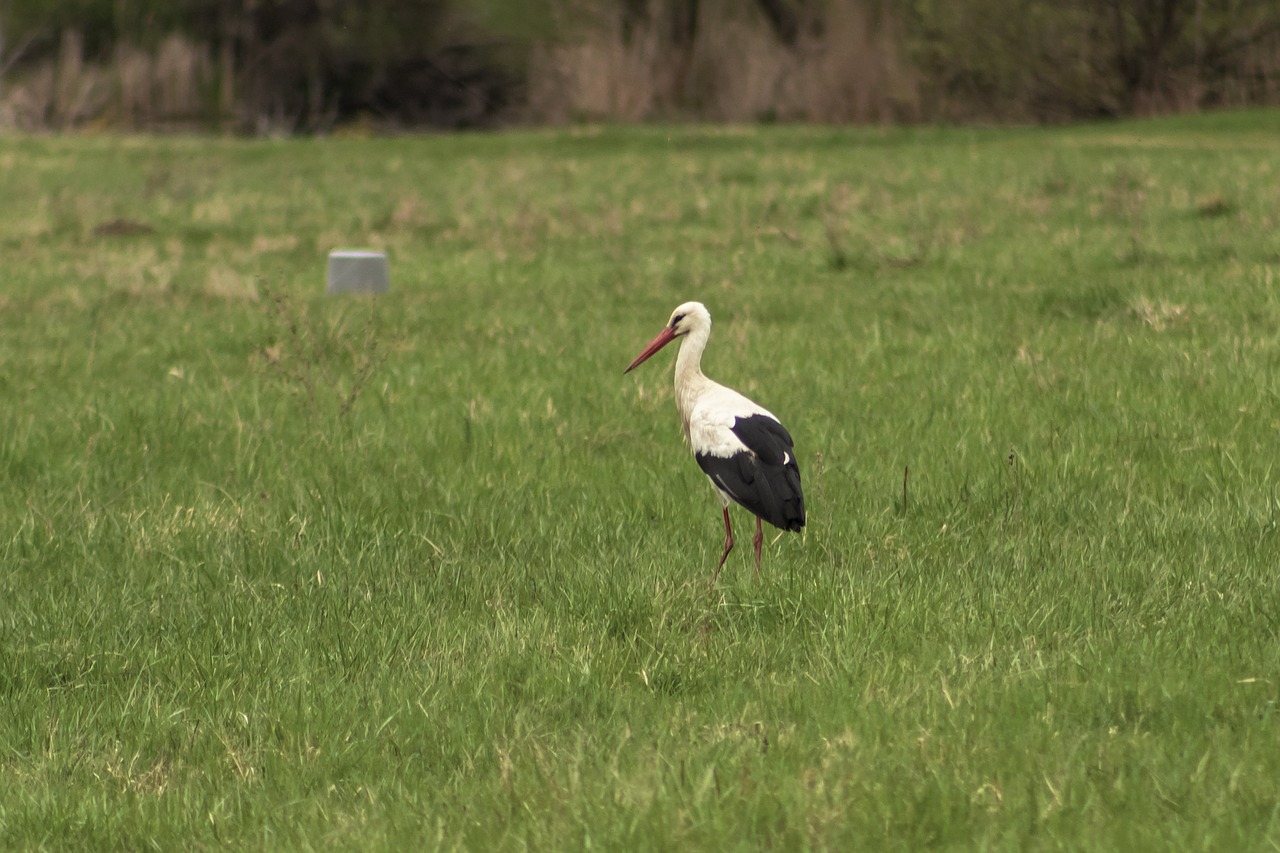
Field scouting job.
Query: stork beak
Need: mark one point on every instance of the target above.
(656, 344)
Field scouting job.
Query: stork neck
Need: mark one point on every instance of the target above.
(689, 360)
(690, 382)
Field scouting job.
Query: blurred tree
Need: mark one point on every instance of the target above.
(305, 64)
(1079, 58)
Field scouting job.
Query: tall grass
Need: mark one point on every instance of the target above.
(173, 85)
(278, 570)
(848, 67)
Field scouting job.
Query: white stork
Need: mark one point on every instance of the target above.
(741, 446)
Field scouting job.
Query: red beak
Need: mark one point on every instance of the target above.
(656, 344)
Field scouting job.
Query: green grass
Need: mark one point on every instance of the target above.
(280, 571)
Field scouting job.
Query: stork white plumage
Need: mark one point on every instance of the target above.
(745, 451)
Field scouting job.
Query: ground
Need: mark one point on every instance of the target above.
(282, 570)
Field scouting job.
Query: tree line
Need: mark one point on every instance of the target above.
(313, 65)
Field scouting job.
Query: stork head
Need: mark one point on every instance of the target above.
(689, 317)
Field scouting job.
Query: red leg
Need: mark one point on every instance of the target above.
(728, 546)
(758, 542)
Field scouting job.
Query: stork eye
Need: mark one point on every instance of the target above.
(675, 321)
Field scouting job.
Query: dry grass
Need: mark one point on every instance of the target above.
(58, 93)
(165, 85)
(846, 68)
(843, 67)
(601, 74)
(136, 89)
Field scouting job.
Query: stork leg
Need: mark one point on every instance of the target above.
(728, 546)
(758, 542)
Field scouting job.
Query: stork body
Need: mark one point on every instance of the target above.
(742, 447)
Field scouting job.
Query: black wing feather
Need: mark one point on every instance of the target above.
(765, 478)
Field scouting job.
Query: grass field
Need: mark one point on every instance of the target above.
(282, 571)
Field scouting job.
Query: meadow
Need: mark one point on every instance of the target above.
(284, 571)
